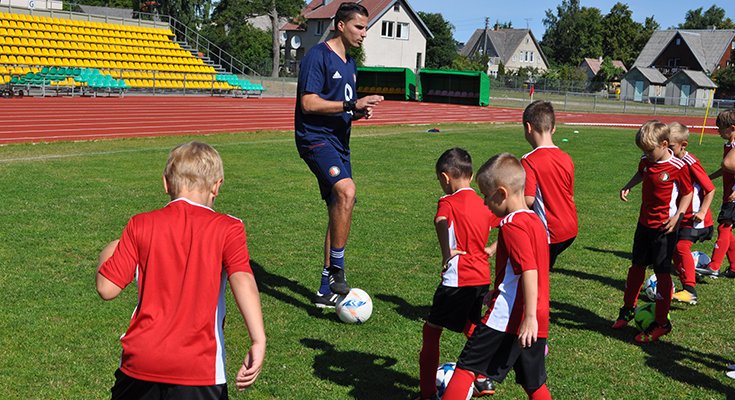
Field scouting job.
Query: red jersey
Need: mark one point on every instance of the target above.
(550, 180)
(701, 185)
(181, 257)
(728, 179)
(469, 222)
(522, 246)
(663, 183)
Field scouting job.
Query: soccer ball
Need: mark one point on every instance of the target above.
(645, 315)
(649, 287)
(701, 260)
(355, 307)
(444, 375)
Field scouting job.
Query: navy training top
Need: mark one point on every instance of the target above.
(323, 72)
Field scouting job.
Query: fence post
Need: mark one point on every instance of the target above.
(594, 102)
(625, 103)
(565, 100)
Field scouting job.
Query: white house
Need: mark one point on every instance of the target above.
(514, 48)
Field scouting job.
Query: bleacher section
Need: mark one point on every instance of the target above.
(74, 56)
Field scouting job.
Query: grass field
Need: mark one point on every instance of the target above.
(63, 201)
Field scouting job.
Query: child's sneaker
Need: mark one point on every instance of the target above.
(337, 282)
(328, 300)
(483, 387)
(626, 315)
(706, 271)
(728, 273)
(685, 296)
(653, 332)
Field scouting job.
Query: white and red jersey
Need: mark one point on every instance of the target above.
(469, 222)
(181, 256)
(663, 183)
(701, 185)
(550, 180)
(728, 178)
(523, 245)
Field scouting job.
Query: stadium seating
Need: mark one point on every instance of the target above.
(64, 53)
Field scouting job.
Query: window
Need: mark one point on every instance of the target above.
(396, 7)
(531, 59)
(402, 30)
(732, 45)
(319, 28)
(678, 41)
(387, 30)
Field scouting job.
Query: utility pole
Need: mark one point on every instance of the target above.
(484, 41)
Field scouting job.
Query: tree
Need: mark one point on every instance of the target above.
(572, 33)
(714, 16)
(620, 34)
(441, 50)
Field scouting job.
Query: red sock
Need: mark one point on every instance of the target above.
(429, 360)
(636, 276)
(722, 245)
(469, 328)
(459, 385)
(663, 297)
(541, 393)
(685, 263)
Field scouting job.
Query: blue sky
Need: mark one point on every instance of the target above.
(468, 15)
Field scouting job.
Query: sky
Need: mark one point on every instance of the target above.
(468, 15)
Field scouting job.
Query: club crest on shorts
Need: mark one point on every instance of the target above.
(664, 176)
(334, 171)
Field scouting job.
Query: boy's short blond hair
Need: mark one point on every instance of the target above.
(504, 170)
(678, 132)
(194, 166)
(726, 118)
(651, 134)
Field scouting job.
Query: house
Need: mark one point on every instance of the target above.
(396, 34)
(689, 88)
(643, 84)
(672, 50)
(591, 66)
(513, 48)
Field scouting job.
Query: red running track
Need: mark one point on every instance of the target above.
(63, 118)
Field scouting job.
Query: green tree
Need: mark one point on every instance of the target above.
(725, 80)
(620, 34)
(714, 16)
(441, 50)
(572, 33)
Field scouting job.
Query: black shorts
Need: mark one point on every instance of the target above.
(329, 166)
(695, 235)
(452, 307)
(557, 248)
(727, 213)
(127, 388)
(653, 247)
(493, 353)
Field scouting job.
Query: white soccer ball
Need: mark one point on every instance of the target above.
(444, 375)
(355, 307)
(649, 287)
(701, 260)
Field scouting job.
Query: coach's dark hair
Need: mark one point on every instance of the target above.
(455, 162)
(540, 114)
(347, 10)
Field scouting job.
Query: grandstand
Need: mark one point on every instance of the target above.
(48, 54)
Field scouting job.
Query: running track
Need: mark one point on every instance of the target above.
(62, 118)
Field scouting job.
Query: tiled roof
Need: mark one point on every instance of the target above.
(707, 45)
(499, 43)
(595, 63)
(651, 74)
(699, 78)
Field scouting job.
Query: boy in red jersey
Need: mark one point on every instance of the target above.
(697, 223)
(463, 226)
(181, 257)
(516, 324)
(666, 182)
(549, 179)
(725, 240)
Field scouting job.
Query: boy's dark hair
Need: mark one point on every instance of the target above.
(540, 114)
(726, 118)
(347, 10)
(455, 162)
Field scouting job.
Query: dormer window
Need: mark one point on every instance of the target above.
(397, 7)
(678, 41)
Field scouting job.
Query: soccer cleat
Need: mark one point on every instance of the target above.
(728, 273)
(730, 374)
(685, 296)
(483, 387)
(328, 300)
(626, 315)
(337, 282)
(707, 271)
(731, 367)
(653, 332)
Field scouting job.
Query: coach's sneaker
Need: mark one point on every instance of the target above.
(707, 271)
(728, 273)
(626, 315)
(483, 387)
(328, 300)
(685, 296)
(653, 332)
(337, 282)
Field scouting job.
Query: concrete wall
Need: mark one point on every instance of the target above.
(627, 87)
(518, 59)
(698, 96)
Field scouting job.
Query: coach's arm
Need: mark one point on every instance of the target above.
(105, 288)
(311, 103)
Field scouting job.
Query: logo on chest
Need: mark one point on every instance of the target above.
(664, 177)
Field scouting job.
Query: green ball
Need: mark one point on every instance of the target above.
(645, 315)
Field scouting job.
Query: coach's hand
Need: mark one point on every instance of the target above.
(368, 102)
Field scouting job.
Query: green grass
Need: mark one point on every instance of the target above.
(63, 201)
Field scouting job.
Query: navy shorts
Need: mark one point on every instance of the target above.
(695, 235)
(329, 166)
(493, 353)
(452, 307)
(653, 247)
(128, 388)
